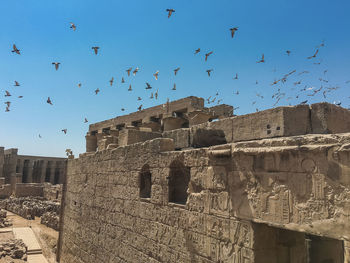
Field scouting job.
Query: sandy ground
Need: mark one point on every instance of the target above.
(46, 236)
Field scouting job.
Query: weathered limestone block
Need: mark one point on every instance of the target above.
(91, 143)
(329, 118)
(211, 133)
(281, 121)
(181, 137)
(105, 141)
(173, 123)
(128, 136)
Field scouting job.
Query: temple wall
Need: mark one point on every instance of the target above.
(298, 184)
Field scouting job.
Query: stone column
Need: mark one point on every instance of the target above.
(91, 142)
(30, 171)
(43, 171)
(20, 168)
(52, 172)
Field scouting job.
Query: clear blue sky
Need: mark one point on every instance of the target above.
(139, 34)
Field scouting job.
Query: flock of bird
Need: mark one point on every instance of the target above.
(277, 96)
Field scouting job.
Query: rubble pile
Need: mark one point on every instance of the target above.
(13, 248)
(50, 219)
(4, 222)
(30, 207)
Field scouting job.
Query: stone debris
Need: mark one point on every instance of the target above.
(30, 207)
(50, 219)
(4, 222)
(14, 249)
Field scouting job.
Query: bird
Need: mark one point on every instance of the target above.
(148, 86)
(69, 152)
(16, 50)
(8, 103)
(337, 103)
(49, 101)
(40, 136)
(233, 31)
(79, 85)
(176, 70)
(7, 109)
(262, 60)
(64, 130)
(85, 120)
(139, 98)
(303, 102)
(95, 49)
(208, 71)
(197, 51)
(288, 52)
(97, 91)
(256, 82)
(111, 81)
(297, 83)
(303, 72)
(170, 11)
(174, 87)
(236, 93)
(140, 107)
(16, 84)
(73, 26)
(236, 77)
(123, 81)
(156, 95)
(128, 71)
(207, 55)
(151, 97)
(122, 109)
(314, 55)
(156, 75)
(130, 89)
(56, 64)
(7, 94)
(20, 97)
(135, 71)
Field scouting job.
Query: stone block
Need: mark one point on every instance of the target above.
(329, 118)
(181, 137)
(128, 136)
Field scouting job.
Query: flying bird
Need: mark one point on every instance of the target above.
(140, 107)
(130, 89)
(57, 64)
(73, 26)
(85, 120)
(139, 98)
(49, 101)
(16, 50)
(174, 87)
(16, 84)
(207, 55)
(233, 31)
(7, 109)
(288, 52)
(128, 71)
(97, 91)
(176, 70)
(156, 75)
(236, 77)
(79, 85)
(111, 81)
(148, 86)
(40, 136)
(208, 71)
(123, 81)
(262, 60)
(303, 102)
(95, 49)
(314, 55)
(170, 11)
(64, 130)
(151, 97)
(197, 51)
(156, 95)
(122, 109)
(7, 94)
(135, 71)
(8, 103)
(20, 97)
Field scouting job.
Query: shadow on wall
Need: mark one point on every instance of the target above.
(206, 138)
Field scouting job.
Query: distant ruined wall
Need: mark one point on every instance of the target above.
(255, 201)
(28, 189)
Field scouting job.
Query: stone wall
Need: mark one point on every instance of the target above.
(23, 190)
(298, 184)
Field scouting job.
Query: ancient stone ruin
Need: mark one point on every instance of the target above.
(183, 183)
